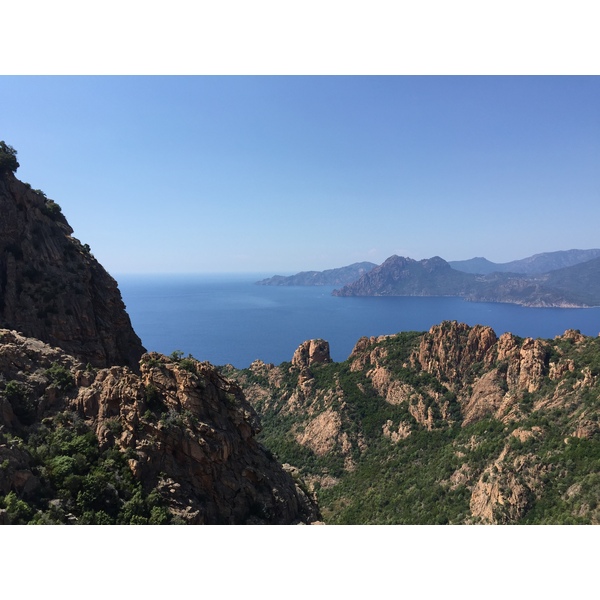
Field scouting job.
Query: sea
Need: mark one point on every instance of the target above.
(228, 319)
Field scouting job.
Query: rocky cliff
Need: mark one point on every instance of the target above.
(52, 288)
(453, 425)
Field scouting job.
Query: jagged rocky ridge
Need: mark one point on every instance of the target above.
(455, 425)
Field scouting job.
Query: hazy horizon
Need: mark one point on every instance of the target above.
(252, 274)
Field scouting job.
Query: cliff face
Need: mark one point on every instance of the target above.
(52, 288)
(186, 433)
(453, 425)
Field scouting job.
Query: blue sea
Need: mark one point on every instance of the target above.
(228, 319)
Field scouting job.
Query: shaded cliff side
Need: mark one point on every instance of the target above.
(52, 288)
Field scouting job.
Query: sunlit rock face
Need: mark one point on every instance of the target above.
(188, 433)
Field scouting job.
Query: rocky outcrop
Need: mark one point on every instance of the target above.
(367, 352)
(526, 362)
(322, 432)
(311, 352)
(488, 374)
(188, 432)
(320, 421)
(450, 349)
(508, 486)
(52, 288)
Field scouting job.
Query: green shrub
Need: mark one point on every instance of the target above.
(8, 158)
(19, 512)
(154, 400)
(176, 355)
(188, 364)
(60, 376)
(52, 209)
(151, 362)
(23, 406)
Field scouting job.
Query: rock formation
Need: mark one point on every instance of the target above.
(311, 352)
(188, 434)
(498, 426)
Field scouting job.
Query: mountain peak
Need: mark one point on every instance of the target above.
(402, 276)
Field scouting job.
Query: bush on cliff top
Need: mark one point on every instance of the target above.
(8, 158)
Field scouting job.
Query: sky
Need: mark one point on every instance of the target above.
(279, 174)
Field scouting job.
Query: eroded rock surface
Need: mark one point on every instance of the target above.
(188, 432)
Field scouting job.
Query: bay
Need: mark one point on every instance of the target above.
(228, 319)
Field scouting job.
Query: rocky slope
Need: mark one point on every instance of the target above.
(179, 435)
(575, 286)
(52, 288)
(339, 276)
(455, 425)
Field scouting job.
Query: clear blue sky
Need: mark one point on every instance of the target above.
(282, 174)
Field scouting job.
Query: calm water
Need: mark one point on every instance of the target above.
(230, 320)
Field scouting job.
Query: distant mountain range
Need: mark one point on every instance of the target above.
(341, 276)
(566, 278)
(532, 265)
(576, 286)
